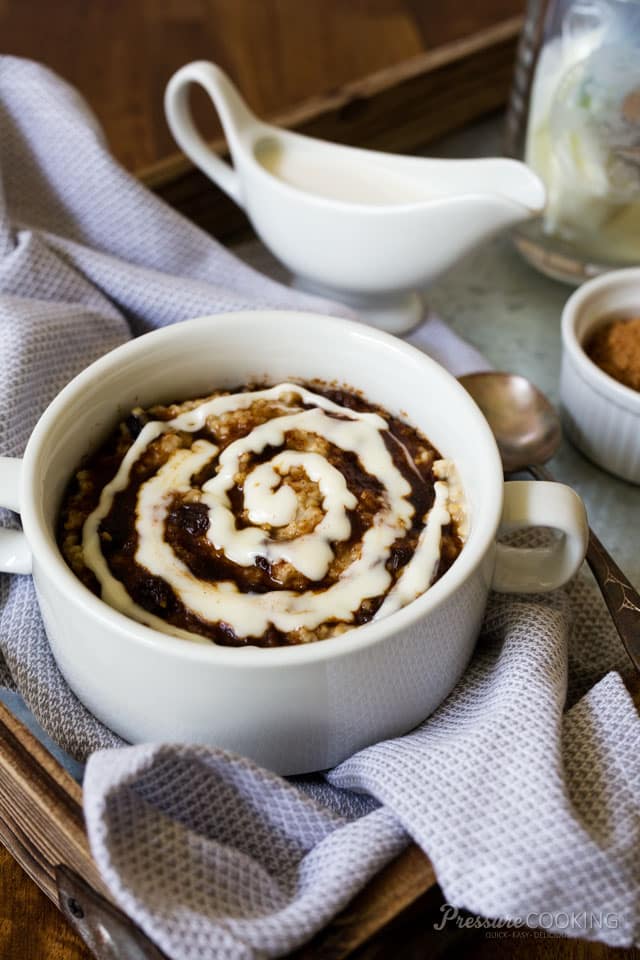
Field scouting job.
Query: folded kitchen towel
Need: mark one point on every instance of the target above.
(522, 788)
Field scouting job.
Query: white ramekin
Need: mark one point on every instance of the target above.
(601, 416)
(300, 708)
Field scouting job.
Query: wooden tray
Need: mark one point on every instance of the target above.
(41, 820)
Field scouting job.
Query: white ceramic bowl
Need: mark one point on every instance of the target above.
(298, 708)
(601, 416)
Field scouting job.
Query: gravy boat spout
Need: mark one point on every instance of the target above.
(366, 228)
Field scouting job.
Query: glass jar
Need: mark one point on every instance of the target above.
(574, 117)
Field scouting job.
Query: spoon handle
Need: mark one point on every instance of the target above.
(620, 596)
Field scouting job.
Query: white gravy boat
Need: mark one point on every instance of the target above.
(366, 228)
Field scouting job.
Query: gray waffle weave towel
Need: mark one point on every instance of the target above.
(523, 787)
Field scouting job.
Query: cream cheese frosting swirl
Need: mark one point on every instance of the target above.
(247, 497)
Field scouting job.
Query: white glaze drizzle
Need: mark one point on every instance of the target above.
(419, 572)
(271, 502)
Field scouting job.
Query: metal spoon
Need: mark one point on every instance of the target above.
(527, 431)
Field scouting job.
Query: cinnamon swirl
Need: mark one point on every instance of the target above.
(267, 515)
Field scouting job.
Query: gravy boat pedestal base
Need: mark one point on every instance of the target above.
(397, 313)
(366, 228)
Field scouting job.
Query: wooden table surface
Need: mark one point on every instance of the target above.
(120, 54)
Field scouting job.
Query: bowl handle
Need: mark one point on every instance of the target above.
(234, 116)
(531, 503)
(15, 555)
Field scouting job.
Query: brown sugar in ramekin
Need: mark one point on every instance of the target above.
(615, 348)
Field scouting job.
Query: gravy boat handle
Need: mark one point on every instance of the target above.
(15, 555)
(233, 113)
